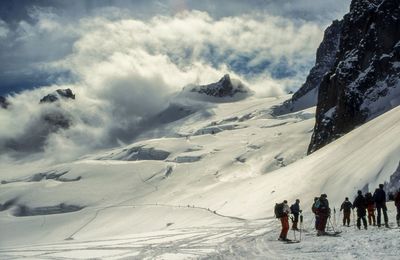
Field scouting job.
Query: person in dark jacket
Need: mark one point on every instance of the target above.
(397, 204)
(315, 211)
(370, 208)
(295, 209)
(323, 212)
(380, 203)
(361, 206)
(346, 207)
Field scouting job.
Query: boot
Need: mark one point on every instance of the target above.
(386, 225)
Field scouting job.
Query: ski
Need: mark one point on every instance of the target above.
(332, 234)
(292, 241)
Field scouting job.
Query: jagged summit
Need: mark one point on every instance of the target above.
(59, 93)
(307, 95)
(223, 88)
(226, 89)
(3, 102)
(365, 80)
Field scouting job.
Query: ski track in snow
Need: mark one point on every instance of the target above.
(250, 239)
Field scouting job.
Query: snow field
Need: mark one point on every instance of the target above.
(136, 204)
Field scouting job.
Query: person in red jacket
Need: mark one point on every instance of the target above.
(285, 222)
(324, 212)
(370, 209)
(397, 204)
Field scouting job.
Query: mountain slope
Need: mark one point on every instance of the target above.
(220, 185)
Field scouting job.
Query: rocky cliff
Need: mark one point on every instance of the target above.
(365, 79)
(307, 95)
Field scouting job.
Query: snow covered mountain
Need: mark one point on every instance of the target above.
(205, 170)
(197, 194)
(364, 81)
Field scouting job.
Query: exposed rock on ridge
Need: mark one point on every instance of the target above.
(365, 81)
(59, 93)
(307, 95)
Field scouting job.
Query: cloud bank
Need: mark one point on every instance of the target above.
(124, 70)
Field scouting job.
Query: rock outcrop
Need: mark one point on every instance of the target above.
(365, 80)
(3, 102)
(307, 95)
(59, 93)
(225, 90)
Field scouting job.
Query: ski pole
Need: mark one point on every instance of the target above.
(301, 224)
(334, 216)
(294, 231)
(312, 222)
(333, 228)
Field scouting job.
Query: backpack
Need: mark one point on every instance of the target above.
(279, 210)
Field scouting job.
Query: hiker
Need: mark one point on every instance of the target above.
(323, 212)
(295, 209)
(315, 211)
(361, 206)
(370, 208)
(346, 207)
(380, 203)
(397, 204)
(283, 214)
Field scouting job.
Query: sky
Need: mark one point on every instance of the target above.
(125, 59)
(36, 34)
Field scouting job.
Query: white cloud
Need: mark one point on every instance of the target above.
(126, 70)
(3, 29)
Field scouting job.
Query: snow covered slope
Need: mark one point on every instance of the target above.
(205, 191)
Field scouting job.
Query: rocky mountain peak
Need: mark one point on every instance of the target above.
(225, 87)
(365, 80)
(307, 94)
(59, 93)
(224, 90)
(3, 102)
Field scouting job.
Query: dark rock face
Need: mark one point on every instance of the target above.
(394, 182)
(223, 88)
(57, 120)
(365, 80)
(3, 102)
(307, 95)
(326, 56)
(59, 93)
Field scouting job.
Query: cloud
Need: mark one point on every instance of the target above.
(124, 70)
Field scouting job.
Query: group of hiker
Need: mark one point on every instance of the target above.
(363, 205)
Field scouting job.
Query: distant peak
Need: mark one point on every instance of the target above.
(59, 93)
